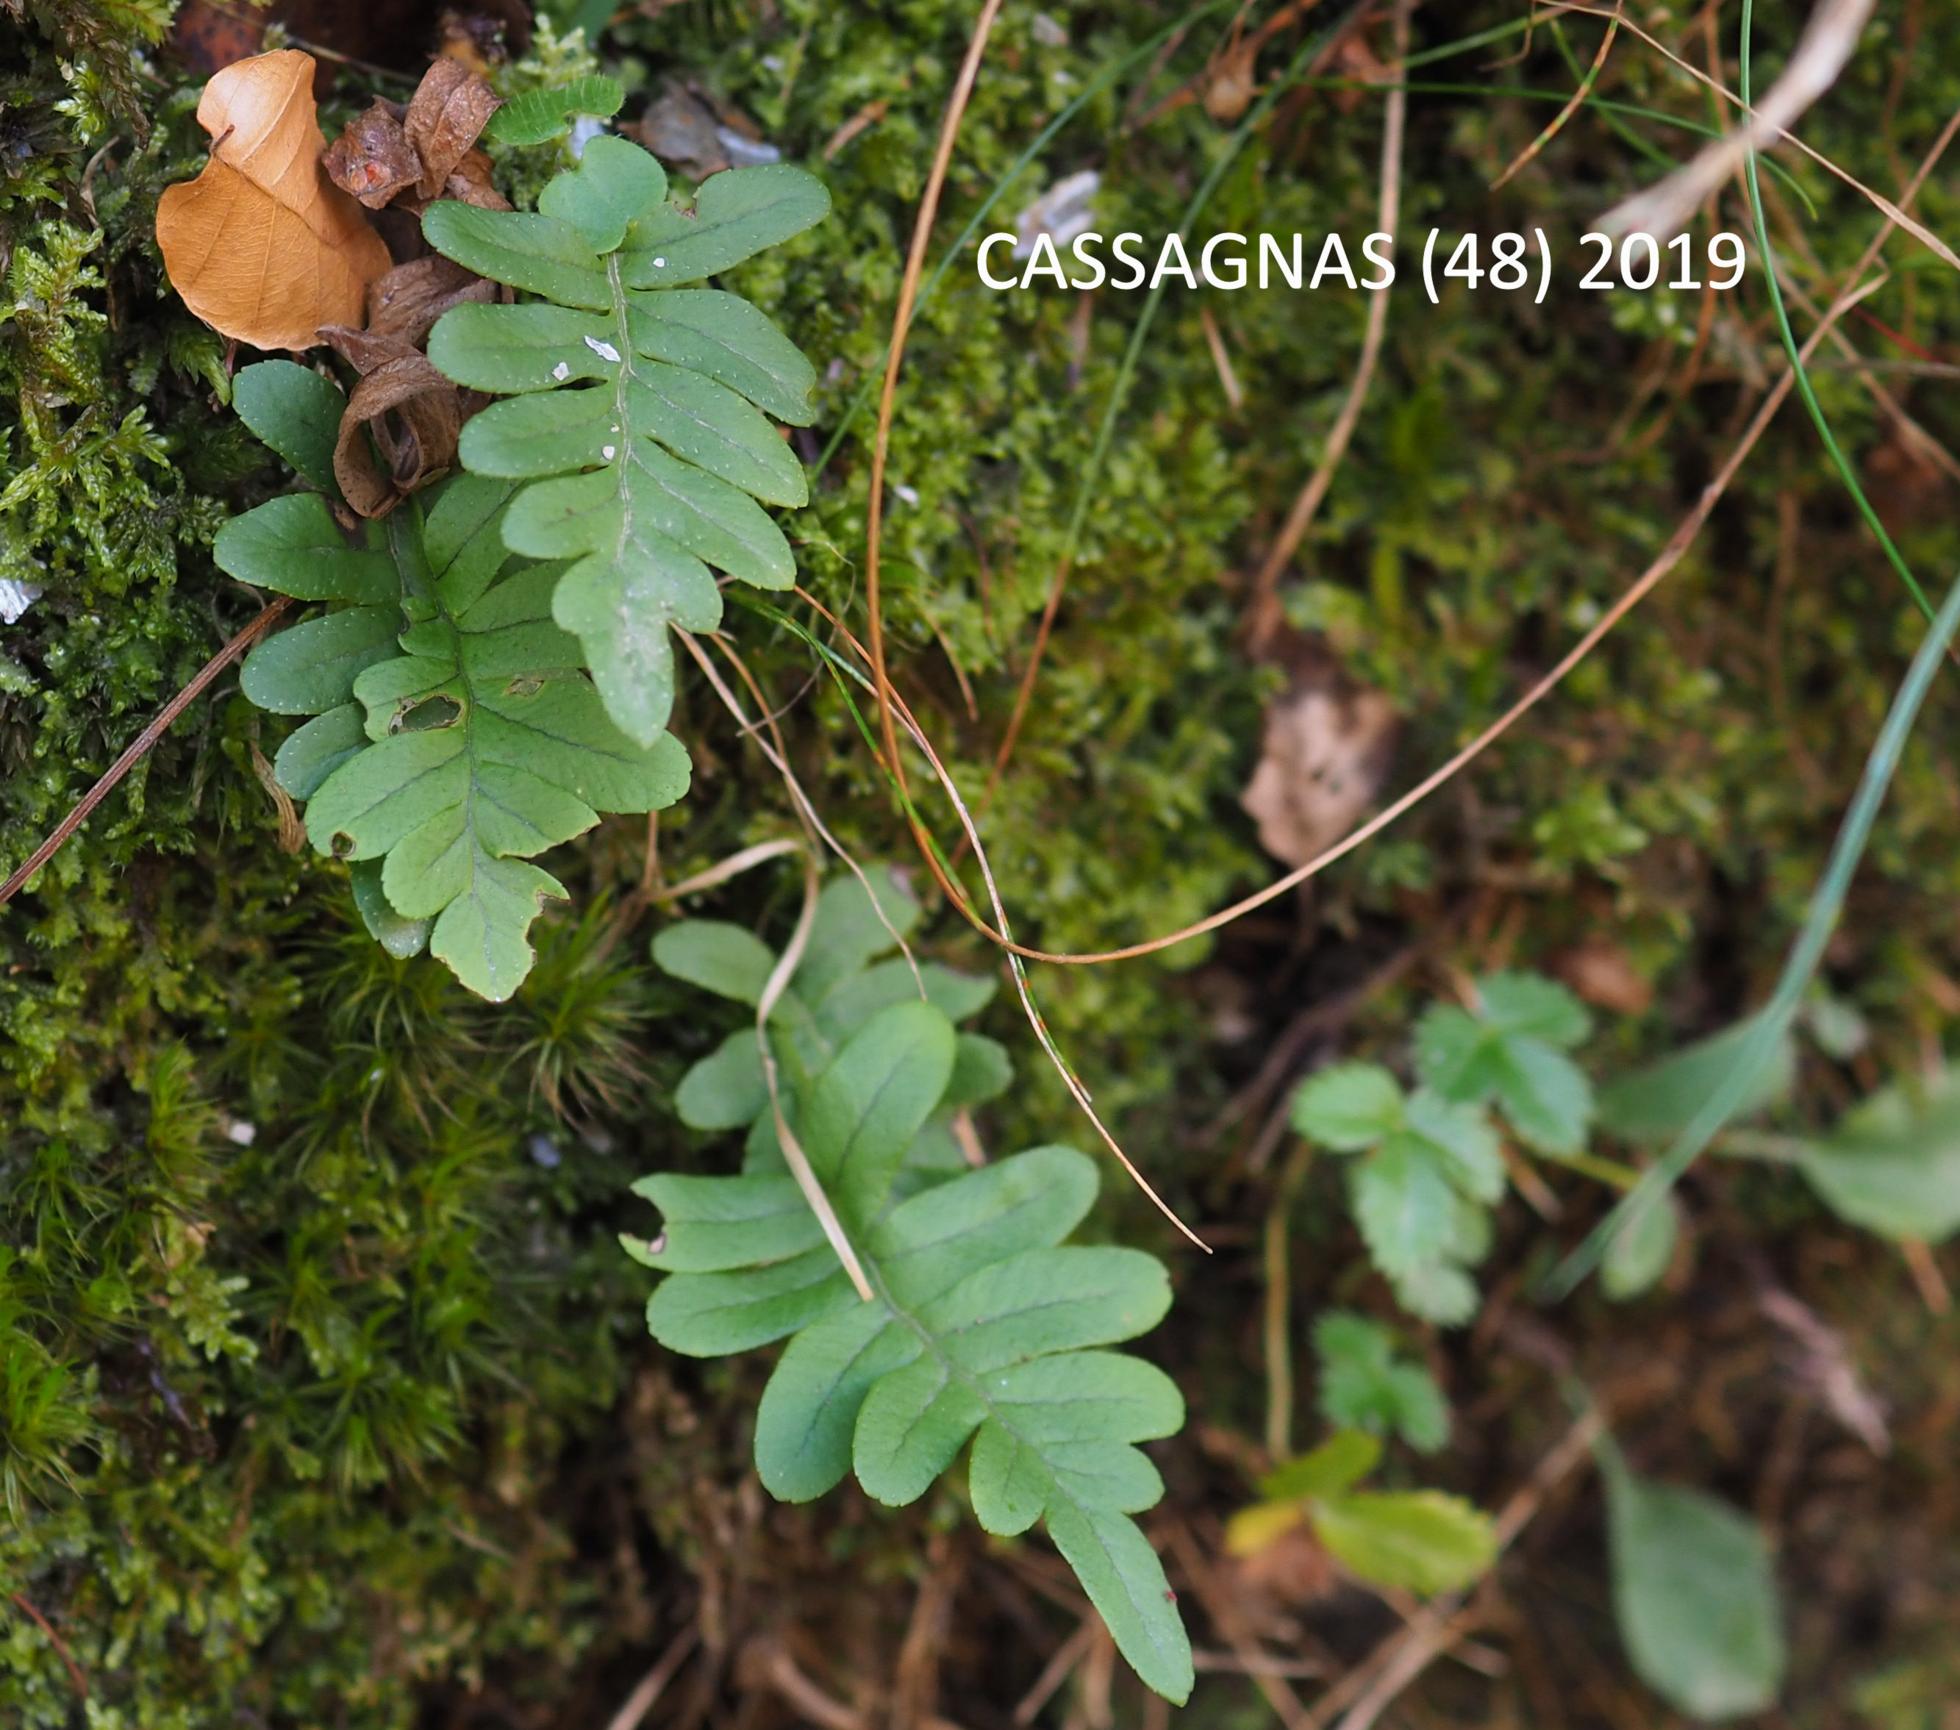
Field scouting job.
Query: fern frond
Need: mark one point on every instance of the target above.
(846, 975)
(454, 736)
(636, 407)
(984, 1327)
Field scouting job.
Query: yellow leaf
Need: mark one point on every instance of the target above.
(1252, 1529)
(262, 246)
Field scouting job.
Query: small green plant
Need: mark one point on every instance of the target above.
(846, 974)
(1422, 1189)
(496, 671)
(1412, 1540)
(983, 1324)
(1365, 1385)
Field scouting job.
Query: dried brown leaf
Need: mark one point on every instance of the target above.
(451, 107)
(262, 245)
(372, 158)
(407, 301)
(1321, 762)
(412, 413)
(470, 182)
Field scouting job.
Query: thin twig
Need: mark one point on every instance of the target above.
(28, 1609)
(1894, 213)
(141, 747)
(654, 1683)
(1531, 151)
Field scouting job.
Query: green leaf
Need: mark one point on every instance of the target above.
(1439, 1292)
(525, 249)
(310, 667)
(1531, 1006)
(1893, 1164)
(873, 1099)
(983, 1328)
(982, 1070)
(726, 1089)
(736, 214)
(1509, 1049)
(712, 1224)
(1126, 1583)
(1462, 1136)
(646, 478)
(296, 413)
(725, 338)
(725, 959)
(1695, 1595)
(400, 937)
(1338, 1464)
(1419, 1540)
(486, 747)
(538, 116)
(1404, 1204)
(314, 751)
(1365, 1386)
(293, 546)
(1640, 1253)
(852, 929)
(1348, 1106)
(1656, 1103)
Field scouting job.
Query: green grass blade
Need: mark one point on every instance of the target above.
(1773, 1022)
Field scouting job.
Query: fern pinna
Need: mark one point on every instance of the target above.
(454, 735)
(634, 406)
(984, 1326)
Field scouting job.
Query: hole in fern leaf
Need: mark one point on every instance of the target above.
(429, 715)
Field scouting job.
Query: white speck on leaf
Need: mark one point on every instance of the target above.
(659, 264)
(561, 372)
(604, 350)
(609, 451)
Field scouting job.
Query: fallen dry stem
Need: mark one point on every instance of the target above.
(141, 745)
(1894, 213)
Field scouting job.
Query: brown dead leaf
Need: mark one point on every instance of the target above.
(407, 301)
(470, 182)
(262, 245)
(451, 106)
(411, 411)
(372, 158)
(682, 131)
(410, 157)
(1325, 751)
(1603, 973)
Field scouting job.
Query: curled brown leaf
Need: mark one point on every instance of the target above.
(410, 157)
(452, 105)
(412, 413)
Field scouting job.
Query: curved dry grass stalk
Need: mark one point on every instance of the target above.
(1559, 121)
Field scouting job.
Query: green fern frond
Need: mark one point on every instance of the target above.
(847, 974)
(444, 755)
(984, 1326)
(635, 411)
